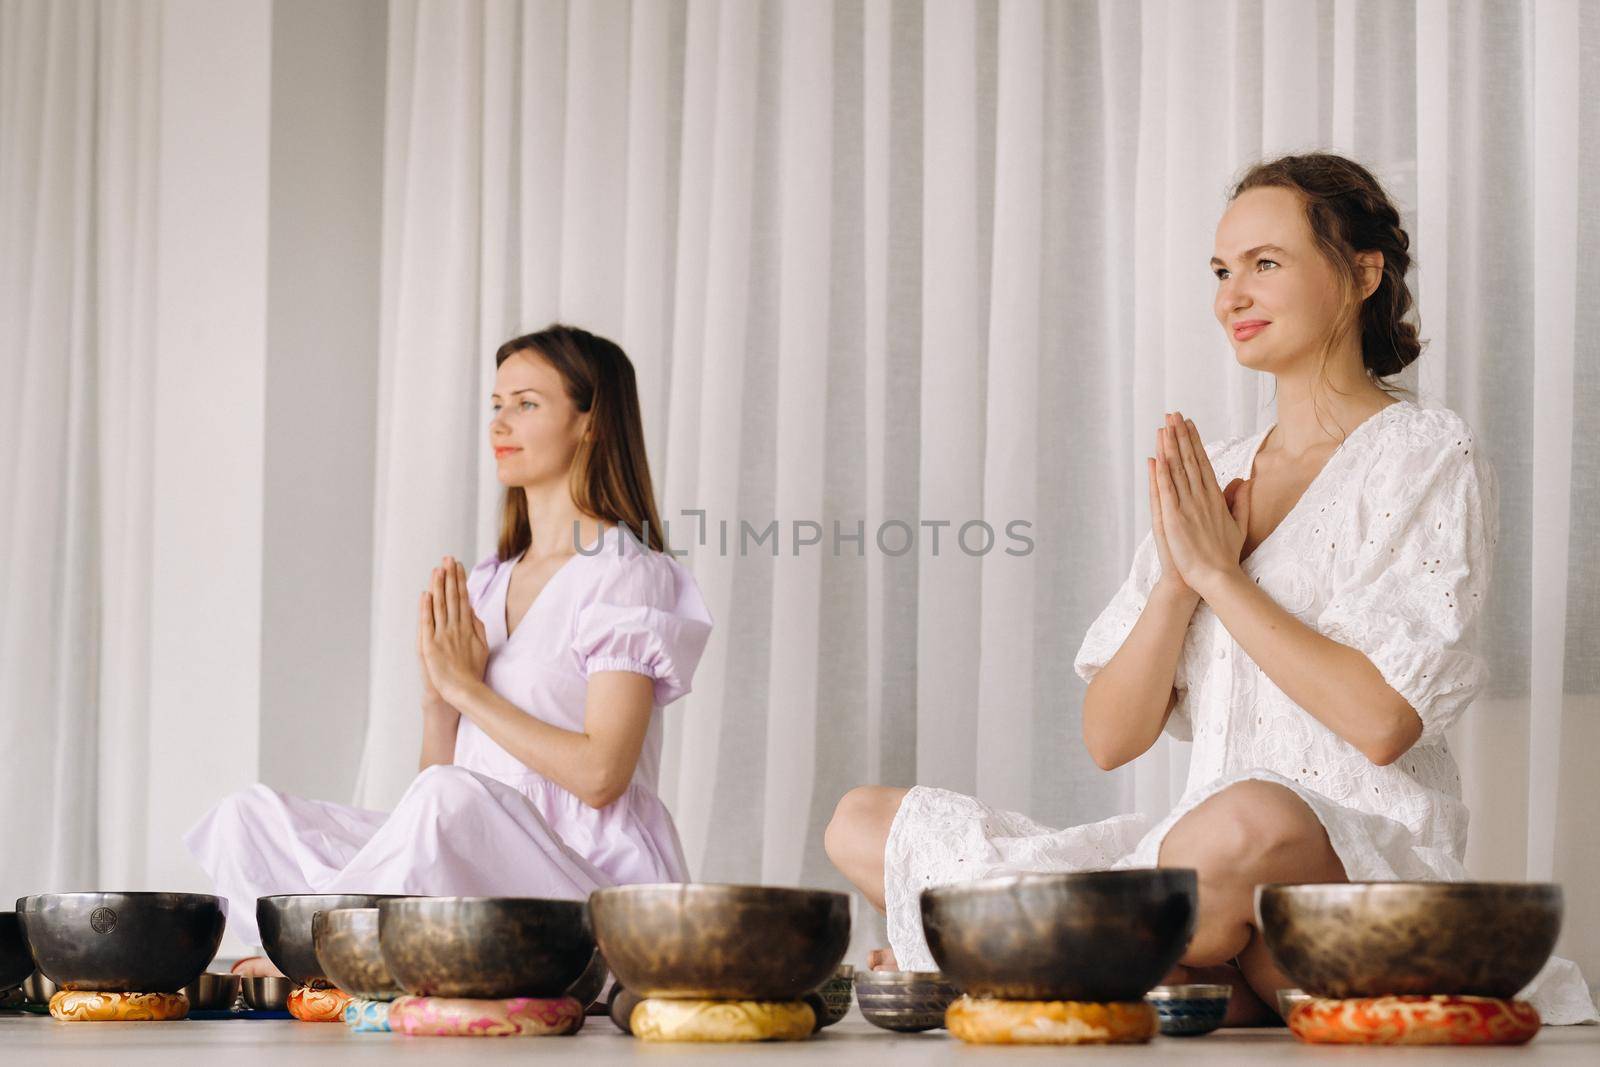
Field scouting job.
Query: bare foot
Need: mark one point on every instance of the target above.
(882, 959)
(256, 967)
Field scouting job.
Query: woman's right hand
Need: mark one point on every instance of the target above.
(1170, 579)
(431, 699)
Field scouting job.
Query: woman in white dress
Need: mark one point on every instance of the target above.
(1304, 610)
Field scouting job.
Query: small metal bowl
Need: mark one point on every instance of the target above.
(620, 1005)
(347, 947)
(905, 1001)
(1091, 935)
(122, 942)
(16, 962)
(720, 942)
(37, 989)
(836, 994)
(1190, 1010)
(484, 947)
(267, 992)
(286, 936)
(212, 991)
(1289, 999)
(1373, 939)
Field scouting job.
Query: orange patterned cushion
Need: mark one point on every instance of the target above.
(1050, 1022)
(318, 1003)
(1415, 1021)
(77, 1005)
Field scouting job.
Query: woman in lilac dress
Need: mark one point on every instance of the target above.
(542, 670)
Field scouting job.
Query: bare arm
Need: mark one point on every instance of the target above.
(1128, 702)
(595, 764)
(1334, 683)
(439, 723)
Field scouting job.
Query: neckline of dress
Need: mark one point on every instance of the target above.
(506, 631)
(1305, 494)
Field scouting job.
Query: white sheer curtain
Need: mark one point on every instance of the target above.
(881, 261)
(78, 134)
(896, 260)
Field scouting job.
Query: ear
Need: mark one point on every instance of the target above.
(1370, 267)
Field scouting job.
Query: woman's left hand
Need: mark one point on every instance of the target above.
(456, 649)
(1204, 533)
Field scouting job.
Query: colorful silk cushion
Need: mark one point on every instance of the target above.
(1436, 1020)
(516, 1017)
(1050, 1022)
(367, 1016)
(76, 1005)
(722, 1020)
(318, 1002)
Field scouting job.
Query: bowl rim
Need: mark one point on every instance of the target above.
(1450, 887)
(330, 896)
(420, 901)
(1191, 991)
(720, 889)
(27, 903)
(1065, 878)
(932, 978)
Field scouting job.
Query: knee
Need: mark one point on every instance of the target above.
(443, 787)
(1245, 833)
(853, 818)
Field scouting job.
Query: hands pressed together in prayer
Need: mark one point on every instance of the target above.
(1199, 527)
(451, 642)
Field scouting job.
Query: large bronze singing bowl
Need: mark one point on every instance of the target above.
(16, 963)
(1367, 939)
(286, 935)
(485, 948)
(1096, 935)
(720, 942)
(346, 941)
(122, 942)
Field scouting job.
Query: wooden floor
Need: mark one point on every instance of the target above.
(31, 1039)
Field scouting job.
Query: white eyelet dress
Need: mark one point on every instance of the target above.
(1388, 551)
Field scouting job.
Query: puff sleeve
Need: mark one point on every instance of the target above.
(1412, 598)
(645, 615)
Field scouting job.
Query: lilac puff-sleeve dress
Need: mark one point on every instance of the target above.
(486, 824)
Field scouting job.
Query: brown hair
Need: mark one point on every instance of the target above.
(610, 477)
(1349, 212)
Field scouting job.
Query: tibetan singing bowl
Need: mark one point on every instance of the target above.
(1368, 939)
(286, 934)
(16, 963)
(122, 942)
(720, 942)
(346, 942)
(1093, 935)
(488, 948)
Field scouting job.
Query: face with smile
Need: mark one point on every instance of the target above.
(535, 430)
(1269, 270)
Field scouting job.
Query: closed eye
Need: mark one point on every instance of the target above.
(523, 404)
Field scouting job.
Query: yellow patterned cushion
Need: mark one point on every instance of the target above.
(1438, 1020)
(318, 1002)
(722, 1020)
(1050, 1022)
(77, 1005)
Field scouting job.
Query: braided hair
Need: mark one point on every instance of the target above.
(1349, 212)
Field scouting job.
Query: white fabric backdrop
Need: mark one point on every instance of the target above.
(873, 261)
(895, 260)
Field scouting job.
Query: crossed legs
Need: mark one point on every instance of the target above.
(1248, 834)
